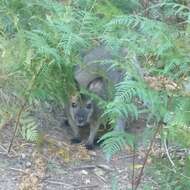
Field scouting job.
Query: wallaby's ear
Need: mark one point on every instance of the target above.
(77, 85)
(96, 85)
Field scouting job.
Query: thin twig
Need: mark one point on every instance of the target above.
(168, 155)
(101, 178)
(181, 174)
(17, 170)
(3, 153)
(105, 167)
(58, 183)
(14, 169)
(8, 155)
(86, 186)
(84, 167)
(126, 156)
(2, 147)
(146, 156)
(70, 186)
(133, 172)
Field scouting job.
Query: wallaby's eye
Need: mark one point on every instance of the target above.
(89, 106)
(74, 105)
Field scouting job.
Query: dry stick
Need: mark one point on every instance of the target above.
(146, 157)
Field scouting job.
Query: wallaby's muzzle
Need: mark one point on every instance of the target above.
(81, 118)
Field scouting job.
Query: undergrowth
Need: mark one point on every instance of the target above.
(42, 40)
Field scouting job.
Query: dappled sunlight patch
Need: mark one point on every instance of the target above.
(64, 151)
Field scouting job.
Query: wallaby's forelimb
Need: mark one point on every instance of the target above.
(75, 130)
(93, 131)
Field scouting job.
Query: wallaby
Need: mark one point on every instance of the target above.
(96, 78)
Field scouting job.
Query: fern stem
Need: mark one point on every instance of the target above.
(133, 172)
(147, 155)
(91, 8)
(27, 93)
(17, 125)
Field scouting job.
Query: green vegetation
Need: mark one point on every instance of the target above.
(42, 40)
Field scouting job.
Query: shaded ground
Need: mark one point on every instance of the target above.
(55, 164)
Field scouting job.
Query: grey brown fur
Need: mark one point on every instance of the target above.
(97, 78)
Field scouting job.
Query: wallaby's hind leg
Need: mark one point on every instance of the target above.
(93, 131)
(75, 129)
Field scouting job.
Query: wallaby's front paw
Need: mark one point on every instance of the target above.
(89, 146)
(75, 140)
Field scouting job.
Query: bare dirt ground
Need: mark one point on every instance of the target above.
(55, 164)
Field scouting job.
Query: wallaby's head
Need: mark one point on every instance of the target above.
(82, 107)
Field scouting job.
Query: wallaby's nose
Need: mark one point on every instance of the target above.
(80, 119)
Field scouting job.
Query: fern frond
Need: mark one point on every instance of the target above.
(114, 141)
(29, 131)
(175, 8)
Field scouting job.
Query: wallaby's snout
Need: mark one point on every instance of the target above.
(81, 110)
(81, 117)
